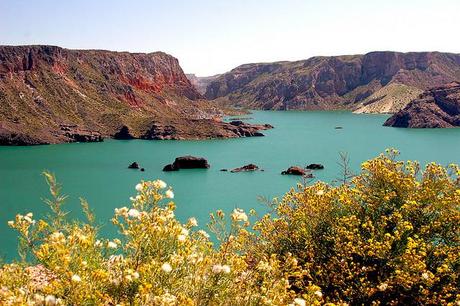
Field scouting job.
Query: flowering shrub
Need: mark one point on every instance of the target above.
(156, 260)
(390, 236)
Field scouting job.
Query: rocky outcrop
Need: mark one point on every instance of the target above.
(187, 162)
(77, 134)
(134, 165)
(436, 108)
(374, 82)
(95, 94)
(123, 134)
(294, 170)
(246, 168)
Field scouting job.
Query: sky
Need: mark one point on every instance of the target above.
(214, 36)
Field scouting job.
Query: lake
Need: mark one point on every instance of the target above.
(98, 171)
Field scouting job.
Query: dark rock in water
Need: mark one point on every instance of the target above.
(243, 129)
(123, 133)
(142, 169)
(249, 167)
(338, 127)
(223, 170)
(435, 108)
(294, 170)
(187, 162)
(170, 167)
(315, 167)
(134, 165)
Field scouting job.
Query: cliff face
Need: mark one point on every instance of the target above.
(201, 83)
(50, 94)
(374, 82)
(435, 108)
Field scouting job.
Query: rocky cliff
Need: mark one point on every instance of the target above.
(201, 83)
(374, 82)
(50, 94)
(435, 108)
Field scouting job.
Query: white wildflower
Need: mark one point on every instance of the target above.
(133, 213)
(112, 245)
(425, 275)
(318, 293)
(139, 187)
(169, 194)
(320, 192)
(239, 215)
(300, 302)
(216, 269)
(50, 300)
(181, 238)
(76, 278)
(159, 184)
(166, 267)
(225, 269)
(192, 221)
(10, 223)
(203, 233)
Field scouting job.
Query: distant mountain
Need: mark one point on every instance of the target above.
(201, 83)
(50, 94)
(435, 108)
(381, 82)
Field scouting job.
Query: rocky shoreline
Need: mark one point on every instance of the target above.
(435, 108)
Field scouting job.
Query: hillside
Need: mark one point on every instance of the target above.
(435, 108)
(375, 82)
(50, 94)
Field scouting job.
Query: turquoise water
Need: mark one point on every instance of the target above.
(98, 171)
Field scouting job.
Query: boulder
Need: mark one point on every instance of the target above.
(294, 170)
(315, 167)
(134, 165)
(187, 162)
(249, 167)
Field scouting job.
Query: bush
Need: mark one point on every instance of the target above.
(389, 236)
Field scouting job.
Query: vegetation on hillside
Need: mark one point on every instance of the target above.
(389, 236)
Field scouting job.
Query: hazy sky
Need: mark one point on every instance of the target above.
(213, 36)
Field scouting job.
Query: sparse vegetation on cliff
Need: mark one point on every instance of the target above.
(389, 236)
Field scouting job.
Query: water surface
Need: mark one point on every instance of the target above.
(98, 171)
